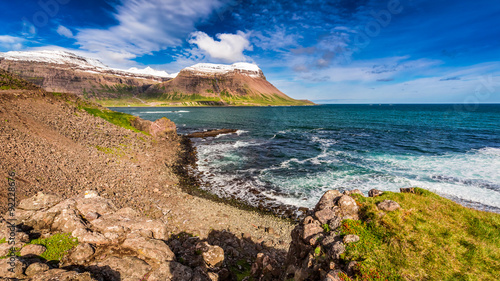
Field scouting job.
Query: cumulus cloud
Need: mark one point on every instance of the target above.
(146, 26)
(228, 48)
(9, 43)
(64, 31)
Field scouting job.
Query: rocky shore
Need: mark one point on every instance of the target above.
(100, 195)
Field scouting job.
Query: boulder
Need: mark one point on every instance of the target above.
(82, 252)
(123, 269)
(36, 268)
(336, 250)
(348, 207)
(39, 202)
(388, 205)
(14, 263)
(127, 219)
(58, 274)
(407, 190)
(375, 193)
(33, 250)
(97, 204)
(150, 248)
(171, 271)
(354, 191)
(88, 236)
(351, 238)
(328, 199)
(213, 256)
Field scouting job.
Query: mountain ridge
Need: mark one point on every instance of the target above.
(242, 83)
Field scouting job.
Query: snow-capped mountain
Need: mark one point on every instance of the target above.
(82, 63)
(208, 68)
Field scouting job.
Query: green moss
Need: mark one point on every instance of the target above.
(118, 118)
(3, 240)
(57, 245)
(430, 238)
(242, 269)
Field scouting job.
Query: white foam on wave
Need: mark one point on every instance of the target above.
(159, 112)
(240, 132)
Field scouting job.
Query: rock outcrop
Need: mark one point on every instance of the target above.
(119, 244)
(316, 246)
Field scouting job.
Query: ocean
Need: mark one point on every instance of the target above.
(292, 155)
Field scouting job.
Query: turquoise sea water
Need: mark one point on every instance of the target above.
(293, 155)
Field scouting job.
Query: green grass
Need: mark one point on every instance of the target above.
(430, 238)
(57, 245)
(242, 270)
(118, 118)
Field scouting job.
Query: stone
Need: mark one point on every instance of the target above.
(351, 238)
(354, 191)
(407, 190)
(336, 250)
(375, 193)
(4, 249)
(18, 268)
(351, 268)
(101, 206)
(88, 236)
(348, 207)
(311, 229)
(127, 219)
(90, 216)
(36, 268)
(213, 256)
(22, 237)
(90, 194)
(326, 215)
(39, 202)
(82, 252)
(150, 248)
(171, 271)
(68, 221)
(58, 274)
(388, 205)
(333, 275)
(123, 269)
(328, 199)
(32, 250)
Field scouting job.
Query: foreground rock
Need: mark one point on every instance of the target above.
(118, 245)
(316, 246)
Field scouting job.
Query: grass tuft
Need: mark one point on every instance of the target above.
(57, 245)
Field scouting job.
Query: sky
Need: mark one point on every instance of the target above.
(338, 51)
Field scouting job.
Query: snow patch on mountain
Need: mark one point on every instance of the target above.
(85, 64)
(248, 68)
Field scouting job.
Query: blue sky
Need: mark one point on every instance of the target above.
(339, 51)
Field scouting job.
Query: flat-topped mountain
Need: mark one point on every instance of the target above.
(236, 84)
(201, 84)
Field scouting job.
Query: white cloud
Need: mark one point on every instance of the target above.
(278, 39)
(229, 48)
(9, 43)
(146, 26)
(64, 31)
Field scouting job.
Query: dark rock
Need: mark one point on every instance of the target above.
(407, 190)
(375, 193)
(211, 133)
